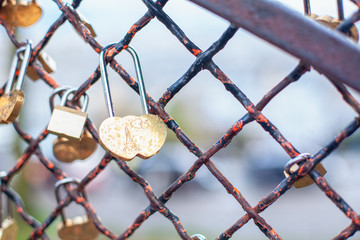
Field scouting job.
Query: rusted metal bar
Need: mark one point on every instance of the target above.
(329, 52)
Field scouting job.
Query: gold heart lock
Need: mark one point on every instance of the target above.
(130, 136)
(10, 106)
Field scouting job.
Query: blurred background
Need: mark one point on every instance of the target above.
(309, 113)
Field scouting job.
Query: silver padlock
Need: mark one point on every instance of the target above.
(68, 122)
(8, 225)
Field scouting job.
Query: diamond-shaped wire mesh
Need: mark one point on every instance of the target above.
(36, 151)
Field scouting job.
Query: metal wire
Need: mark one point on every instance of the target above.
(157, 203)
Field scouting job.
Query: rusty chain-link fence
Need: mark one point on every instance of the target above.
(339, 68)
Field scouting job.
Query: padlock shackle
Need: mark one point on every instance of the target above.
(66, 95)
(8, 206)
(57, 91)
(105, 80)
(140, 78)
(26, 50)
(61, 183)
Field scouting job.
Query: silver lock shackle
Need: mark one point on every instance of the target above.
(9, 210)
(57, 91)
(66, 95)
(105, 80)
(61, 183)
(24, 65)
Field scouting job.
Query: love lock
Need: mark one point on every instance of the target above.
(130, 136)
(13, 99)
(66, 121)
(69, 149)
(21, 14)
(293, 165)
(8, 226)
(78, 228)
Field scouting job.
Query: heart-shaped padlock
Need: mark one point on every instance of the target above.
(21, 14)
(78, 228)
(130, 136)
(13, 98)
(68, 149)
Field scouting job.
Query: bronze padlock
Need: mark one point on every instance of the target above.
(68, 150)
(13, 98)
(68, 122)
(293, 165)
(21, 13)
(78, 228)
(8, 226)
(46, 61)
(130, 136)
(334, 23)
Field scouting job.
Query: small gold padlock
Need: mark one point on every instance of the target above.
(47, 62)
(68, 150)
(131, 136)
(293, 165)
(68, 122)
(20, 13)
(334, 23)
(78, 228)
(13, 98)
(198, 237)
(8, 226)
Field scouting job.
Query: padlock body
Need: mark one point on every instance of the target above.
(78, 228)
(131, 136)
(10, 106)
(307, 180)
(64, 150)
(68, 150)
(67, 122)
(9, 229)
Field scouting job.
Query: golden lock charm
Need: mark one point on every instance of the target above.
(68, 150)
(13, 98)
(78, 228)
(21, 13)
(8, 225)
(130, 136)
(66, 121)
(293, 165)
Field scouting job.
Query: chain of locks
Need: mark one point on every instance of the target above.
(125, 138)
